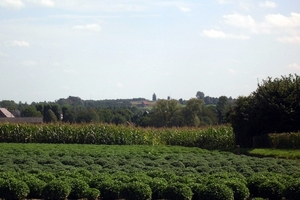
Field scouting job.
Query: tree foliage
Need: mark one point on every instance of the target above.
(273, 108)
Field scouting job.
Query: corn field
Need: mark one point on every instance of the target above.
(215, 137)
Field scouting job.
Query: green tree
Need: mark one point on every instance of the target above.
(200, 95)
(8, 104)
(164, 113)
(273, 108)
(30, 111)
(209, 115)
(222, 108)
(192, 111)
(50, 116)
(68, 114)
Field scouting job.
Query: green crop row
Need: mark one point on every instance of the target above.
(218, 137)
(80, 184)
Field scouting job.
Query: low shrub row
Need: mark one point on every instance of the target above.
(142, 186)
(278, 141)
(218, 137)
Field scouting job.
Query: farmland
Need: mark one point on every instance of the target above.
(59, 161)
(122, 165)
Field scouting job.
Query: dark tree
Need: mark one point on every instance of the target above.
(273, 108)
(50, 116)
(200, 95)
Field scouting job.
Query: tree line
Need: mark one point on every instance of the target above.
(164, 113)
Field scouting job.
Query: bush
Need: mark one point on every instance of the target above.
(78, 188)
(136, 190)
(96, 181)
(110, 189)
(254, 182)
(178, 191)
(271, 189)
(292, 190)
(240, 190)
(35, 185)
(92, 193)
(13, 188)
(216, 191)
(85, 174)
(197, 190)
(46, 176)
(158, 185)
(56, 189)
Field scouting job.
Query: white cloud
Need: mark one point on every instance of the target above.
(279, 20)
(294, 66)
(119, 85)
(221, 35)
(3, 54)
(272, 24)
(18, 43)
(70, 71)
(270, 21)
(232, 71)
(267, 4)
(222, 2)
(15, 4)
(289, 39)
(88, 27)
(183, 7)
(48, 3)
(240, 20)
(245, 5)
(65, 87)
(29, 63)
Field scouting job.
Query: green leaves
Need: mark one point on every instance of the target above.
(273, 108)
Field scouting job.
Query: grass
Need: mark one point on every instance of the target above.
(293, 154)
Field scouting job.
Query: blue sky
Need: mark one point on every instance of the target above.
(109, 49)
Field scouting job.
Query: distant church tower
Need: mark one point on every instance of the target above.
(154, 97)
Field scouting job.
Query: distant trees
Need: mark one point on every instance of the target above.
(30, 111)
(9, 105)
(164, 113)
(223, 107)
(207, 99)
(192, 111)
(273, 108)
(200, 95)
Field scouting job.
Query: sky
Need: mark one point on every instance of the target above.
(121, 49)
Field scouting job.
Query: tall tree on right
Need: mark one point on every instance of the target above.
(273, 108)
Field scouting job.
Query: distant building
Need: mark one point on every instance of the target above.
(144, 104)
(16, 113)
(6, 116)
(5, 113)
(154, 97)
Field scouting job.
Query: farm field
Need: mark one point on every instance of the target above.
(158, 171)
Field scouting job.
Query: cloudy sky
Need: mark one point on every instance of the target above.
(109, 49)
